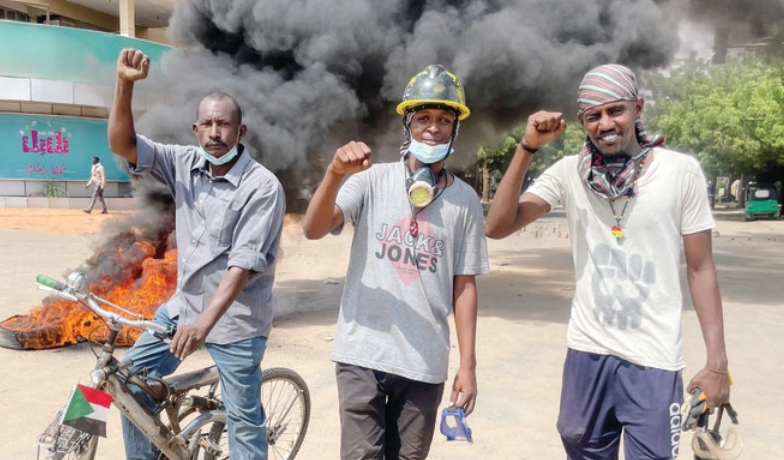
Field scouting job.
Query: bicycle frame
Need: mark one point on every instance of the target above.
(169, 438)
(110, 375)
(287, 413)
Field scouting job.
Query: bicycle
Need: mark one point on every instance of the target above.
(189, 422)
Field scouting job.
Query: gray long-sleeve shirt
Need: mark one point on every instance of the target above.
(221, 222)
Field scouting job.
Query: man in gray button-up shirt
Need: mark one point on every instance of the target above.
(229, 218)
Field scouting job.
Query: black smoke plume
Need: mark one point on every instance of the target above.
(756, 14)
(314, 74)
(745, 24)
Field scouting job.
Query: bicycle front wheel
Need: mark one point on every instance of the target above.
(286, 401)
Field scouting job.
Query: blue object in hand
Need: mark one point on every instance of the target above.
(453, 425)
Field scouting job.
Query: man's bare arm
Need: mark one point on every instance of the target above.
(713, 379)
(464, 387)
(132, 65)
(322, 215)
(511, 212)
(189, 337)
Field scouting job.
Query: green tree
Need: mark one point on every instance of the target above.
(731, 116)
(494, 158)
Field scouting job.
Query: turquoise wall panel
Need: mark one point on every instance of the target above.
(64, 53)
(40, 147)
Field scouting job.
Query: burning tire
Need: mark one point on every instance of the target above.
(23, 332)
(8, 339)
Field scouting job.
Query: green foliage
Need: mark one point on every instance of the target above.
(569, 143)
(731, 116)
(499, 155)
(54, 190)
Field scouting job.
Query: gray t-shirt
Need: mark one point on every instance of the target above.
(398, 292)
(221, 222)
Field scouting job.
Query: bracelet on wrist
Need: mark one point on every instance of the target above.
(727, 373)
(528, 149)
(718, 372)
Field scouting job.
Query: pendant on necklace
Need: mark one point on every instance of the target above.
(617, 232)
(414, 228)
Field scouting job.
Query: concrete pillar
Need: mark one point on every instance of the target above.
(127, 18)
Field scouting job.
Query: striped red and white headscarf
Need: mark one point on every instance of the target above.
(602, 85)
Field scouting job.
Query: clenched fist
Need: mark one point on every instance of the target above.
(542, 128)
(132, 65)
(351, 158)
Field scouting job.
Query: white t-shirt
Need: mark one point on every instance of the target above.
(628, 299)
(398, 292)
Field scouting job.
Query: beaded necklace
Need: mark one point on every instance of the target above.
(616, 229)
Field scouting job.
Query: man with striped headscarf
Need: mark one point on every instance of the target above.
(630, 204)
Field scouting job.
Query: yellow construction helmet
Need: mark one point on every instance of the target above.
(434, 86)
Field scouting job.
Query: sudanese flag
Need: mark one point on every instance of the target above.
(87, 410)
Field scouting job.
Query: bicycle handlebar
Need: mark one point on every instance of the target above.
(91, 301)
(50, 282)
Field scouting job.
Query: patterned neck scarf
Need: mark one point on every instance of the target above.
(602, 85)
(609, 183)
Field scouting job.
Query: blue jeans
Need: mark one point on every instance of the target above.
(240, 376)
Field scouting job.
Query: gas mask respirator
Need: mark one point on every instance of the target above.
(421, 184)
(421, 187)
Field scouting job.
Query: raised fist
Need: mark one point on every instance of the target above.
(132, 65)
(543, 127)
(351, 158)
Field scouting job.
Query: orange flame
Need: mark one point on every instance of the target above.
(146, 283)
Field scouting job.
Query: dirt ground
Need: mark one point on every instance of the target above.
(524, 308)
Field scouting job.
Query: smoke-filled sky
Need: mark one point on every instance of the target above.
(712, 25)
(754, 13)
(313, 74)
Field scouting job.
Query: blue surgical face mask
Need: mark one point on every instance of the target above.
(225, 158)
(429, 154)
(217, 161)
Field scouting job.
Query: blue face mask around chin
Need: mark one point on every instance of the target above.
(217, 161)
(429, 154)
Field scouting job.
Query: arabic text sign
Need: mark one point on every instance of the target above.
(54, 148)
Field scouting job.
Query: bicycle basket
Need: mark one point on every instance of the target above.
(61, 439)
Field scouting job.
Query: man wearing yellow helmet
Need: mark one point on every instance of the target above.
(418, 245)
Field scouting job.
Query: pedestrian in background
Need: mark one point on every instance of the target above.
(98, 181)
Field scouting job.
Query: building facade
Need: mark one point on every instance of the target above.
(57, 66)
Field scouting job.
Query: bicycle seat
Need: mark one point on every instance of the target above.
(157, 390)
